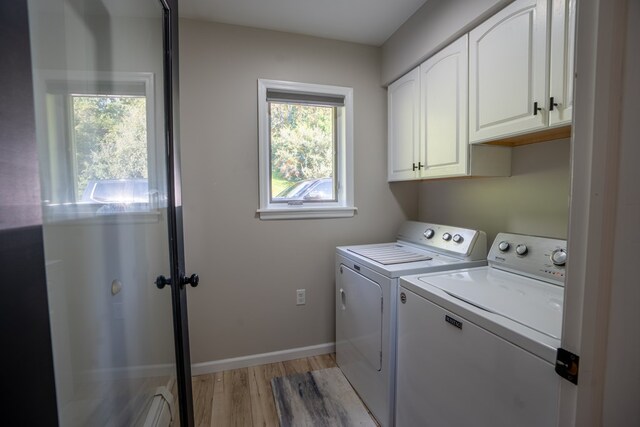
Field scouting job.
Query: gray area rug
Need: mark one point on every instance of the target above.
(318, 398)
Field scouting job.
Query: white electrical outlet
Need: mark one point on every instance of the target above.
(301, 297)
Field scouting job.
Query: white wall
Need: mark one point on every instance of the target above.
(622, 372)
(534, 200)
(432, 27)
(250, 268)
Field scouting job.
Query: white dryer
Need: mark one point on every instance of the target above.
(478, 346)
(366, 297)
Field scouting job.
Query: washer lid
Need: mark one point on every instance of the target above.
(391, 254)
(532, 303)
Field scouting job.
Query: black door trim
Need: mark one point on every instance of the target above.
(176, 246)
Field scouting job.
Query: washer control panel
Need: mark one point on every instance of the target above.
(537, 257)
(456, 241)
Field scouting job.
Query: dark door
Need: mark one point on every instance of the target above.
(105, 91)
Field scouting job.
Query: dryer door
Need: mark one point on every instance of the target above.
(359, 314)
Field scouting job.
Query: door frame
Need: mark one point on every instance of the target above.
(174, 215)
(595, 145)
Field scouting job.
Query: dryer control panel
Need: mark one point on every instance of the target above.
(541, 258)
(459, 242)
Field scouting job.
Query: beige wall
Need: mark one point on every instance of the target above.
(249, 268)
(622, 380)
(432, 27)
(534, 200)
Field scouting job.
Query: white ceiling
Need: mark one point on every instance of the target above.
(361, 21)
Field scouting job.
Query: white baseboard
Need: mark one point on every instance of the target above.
(261, 359)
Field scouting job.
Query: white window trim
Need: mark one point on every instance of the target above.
(344, 207)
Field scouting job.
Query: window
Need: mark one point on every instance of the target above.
(99, 148)
(109, 147)
(306, 150)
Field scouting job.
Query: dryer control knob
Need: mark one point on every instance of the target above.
(522, 249)
(428, 233)
(446, 237)
(504, 246)
(457, 238)
(559, 257)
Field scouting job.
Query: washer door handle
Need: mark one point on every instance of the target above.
(343, 299)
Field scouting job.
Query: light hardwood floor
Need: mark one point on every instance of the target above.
(242, 397)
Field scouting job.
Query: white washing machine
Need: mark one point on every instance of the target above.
(366, 296)
(478, 346)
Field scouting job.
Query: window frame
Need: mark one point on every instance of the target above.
(56, 103)
(343, 206)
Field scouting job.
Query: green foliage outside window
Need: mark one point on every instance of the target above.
(110, 137)
(302, 142)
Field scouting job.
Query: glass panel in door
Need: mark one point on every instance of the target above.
(99, 102)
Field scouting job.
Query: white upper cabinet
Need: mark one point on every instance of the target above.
(508, 87)
(511, 75)
(563, 30)
(404, 128)
(443, 112)
(428, 135)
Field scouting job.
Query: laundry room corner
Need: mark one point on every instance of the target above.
(247, 303)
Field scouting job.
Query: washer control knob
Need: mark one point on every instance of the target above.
(522, 249)
(428, 233)
(457, 238)
(504, 246)
(559, 257)
(446, 237)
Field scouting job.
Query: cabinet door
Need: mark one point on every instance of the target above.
(403, 110)
(443, 112)
(508, 72)
(563, 30)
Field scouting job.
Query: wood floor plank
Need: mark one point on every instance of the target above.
(240, 397)
(206, 414)
(315, 364)
(297, 366)
(203, 399)
(196, 383)
(219, 413)
(262, 404)
(324, 361)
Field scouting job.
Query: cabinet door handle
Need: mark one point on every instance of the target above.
(552, 104)
(420, 166)
(414, 167)
(536, 109)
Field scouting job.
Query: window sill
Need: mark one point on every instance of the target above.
(307, 212)
(86, 215)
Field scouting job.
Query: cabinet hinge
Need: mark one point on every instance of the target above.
(567, 365)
